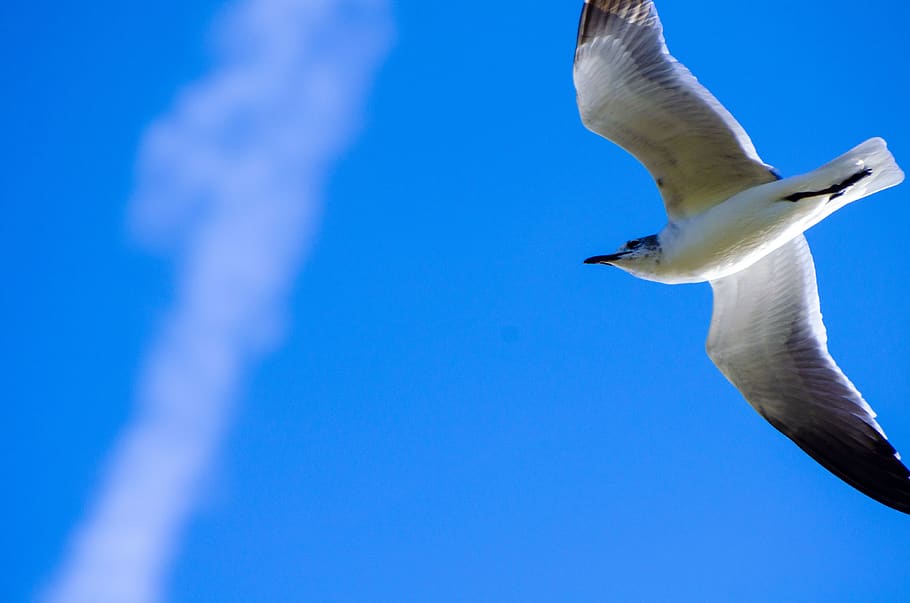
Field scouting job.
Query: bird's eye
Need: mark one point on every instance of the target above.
(634, 244)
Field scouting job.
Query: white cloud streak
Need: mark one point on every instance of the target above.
(230, 181)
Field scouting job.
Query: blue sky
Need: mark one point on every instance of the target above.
(440, 401)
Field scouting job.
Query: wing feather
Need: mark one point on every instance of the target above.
(768, 339)
(633, 92)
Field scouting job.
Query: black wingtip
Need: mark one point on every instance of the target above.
(870, 463)
(599, 16)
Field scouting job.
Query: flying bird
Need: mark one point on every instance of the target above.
(736, 223)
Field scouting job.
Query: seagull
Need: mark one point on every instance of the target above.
(736, 223)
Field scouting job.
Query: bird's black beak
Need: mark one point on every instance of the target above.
(606, 259)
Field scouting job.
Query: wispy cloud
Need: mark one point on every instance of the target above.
(230, 182)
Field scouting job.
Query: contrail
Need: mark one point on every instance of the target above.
(230, 182)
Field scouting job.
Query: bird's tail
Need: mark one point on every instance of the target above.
(862, 171)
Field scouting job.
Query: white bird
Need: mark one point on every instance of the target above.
(734, 222)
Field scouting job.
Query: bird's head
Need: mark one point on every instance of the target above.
(640, 257)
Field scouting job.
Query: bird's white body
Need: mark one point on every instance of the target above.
(733, 235)
(726, 238)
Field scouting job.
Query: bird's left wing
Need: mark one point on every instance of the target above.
(633, 92)
(768, 339)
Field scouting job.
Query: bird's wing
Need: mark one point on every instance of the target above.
(768, 339)
(633, 92)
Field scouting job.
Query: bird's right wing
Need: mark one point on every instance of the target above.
(633, 92)
(768, 339)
